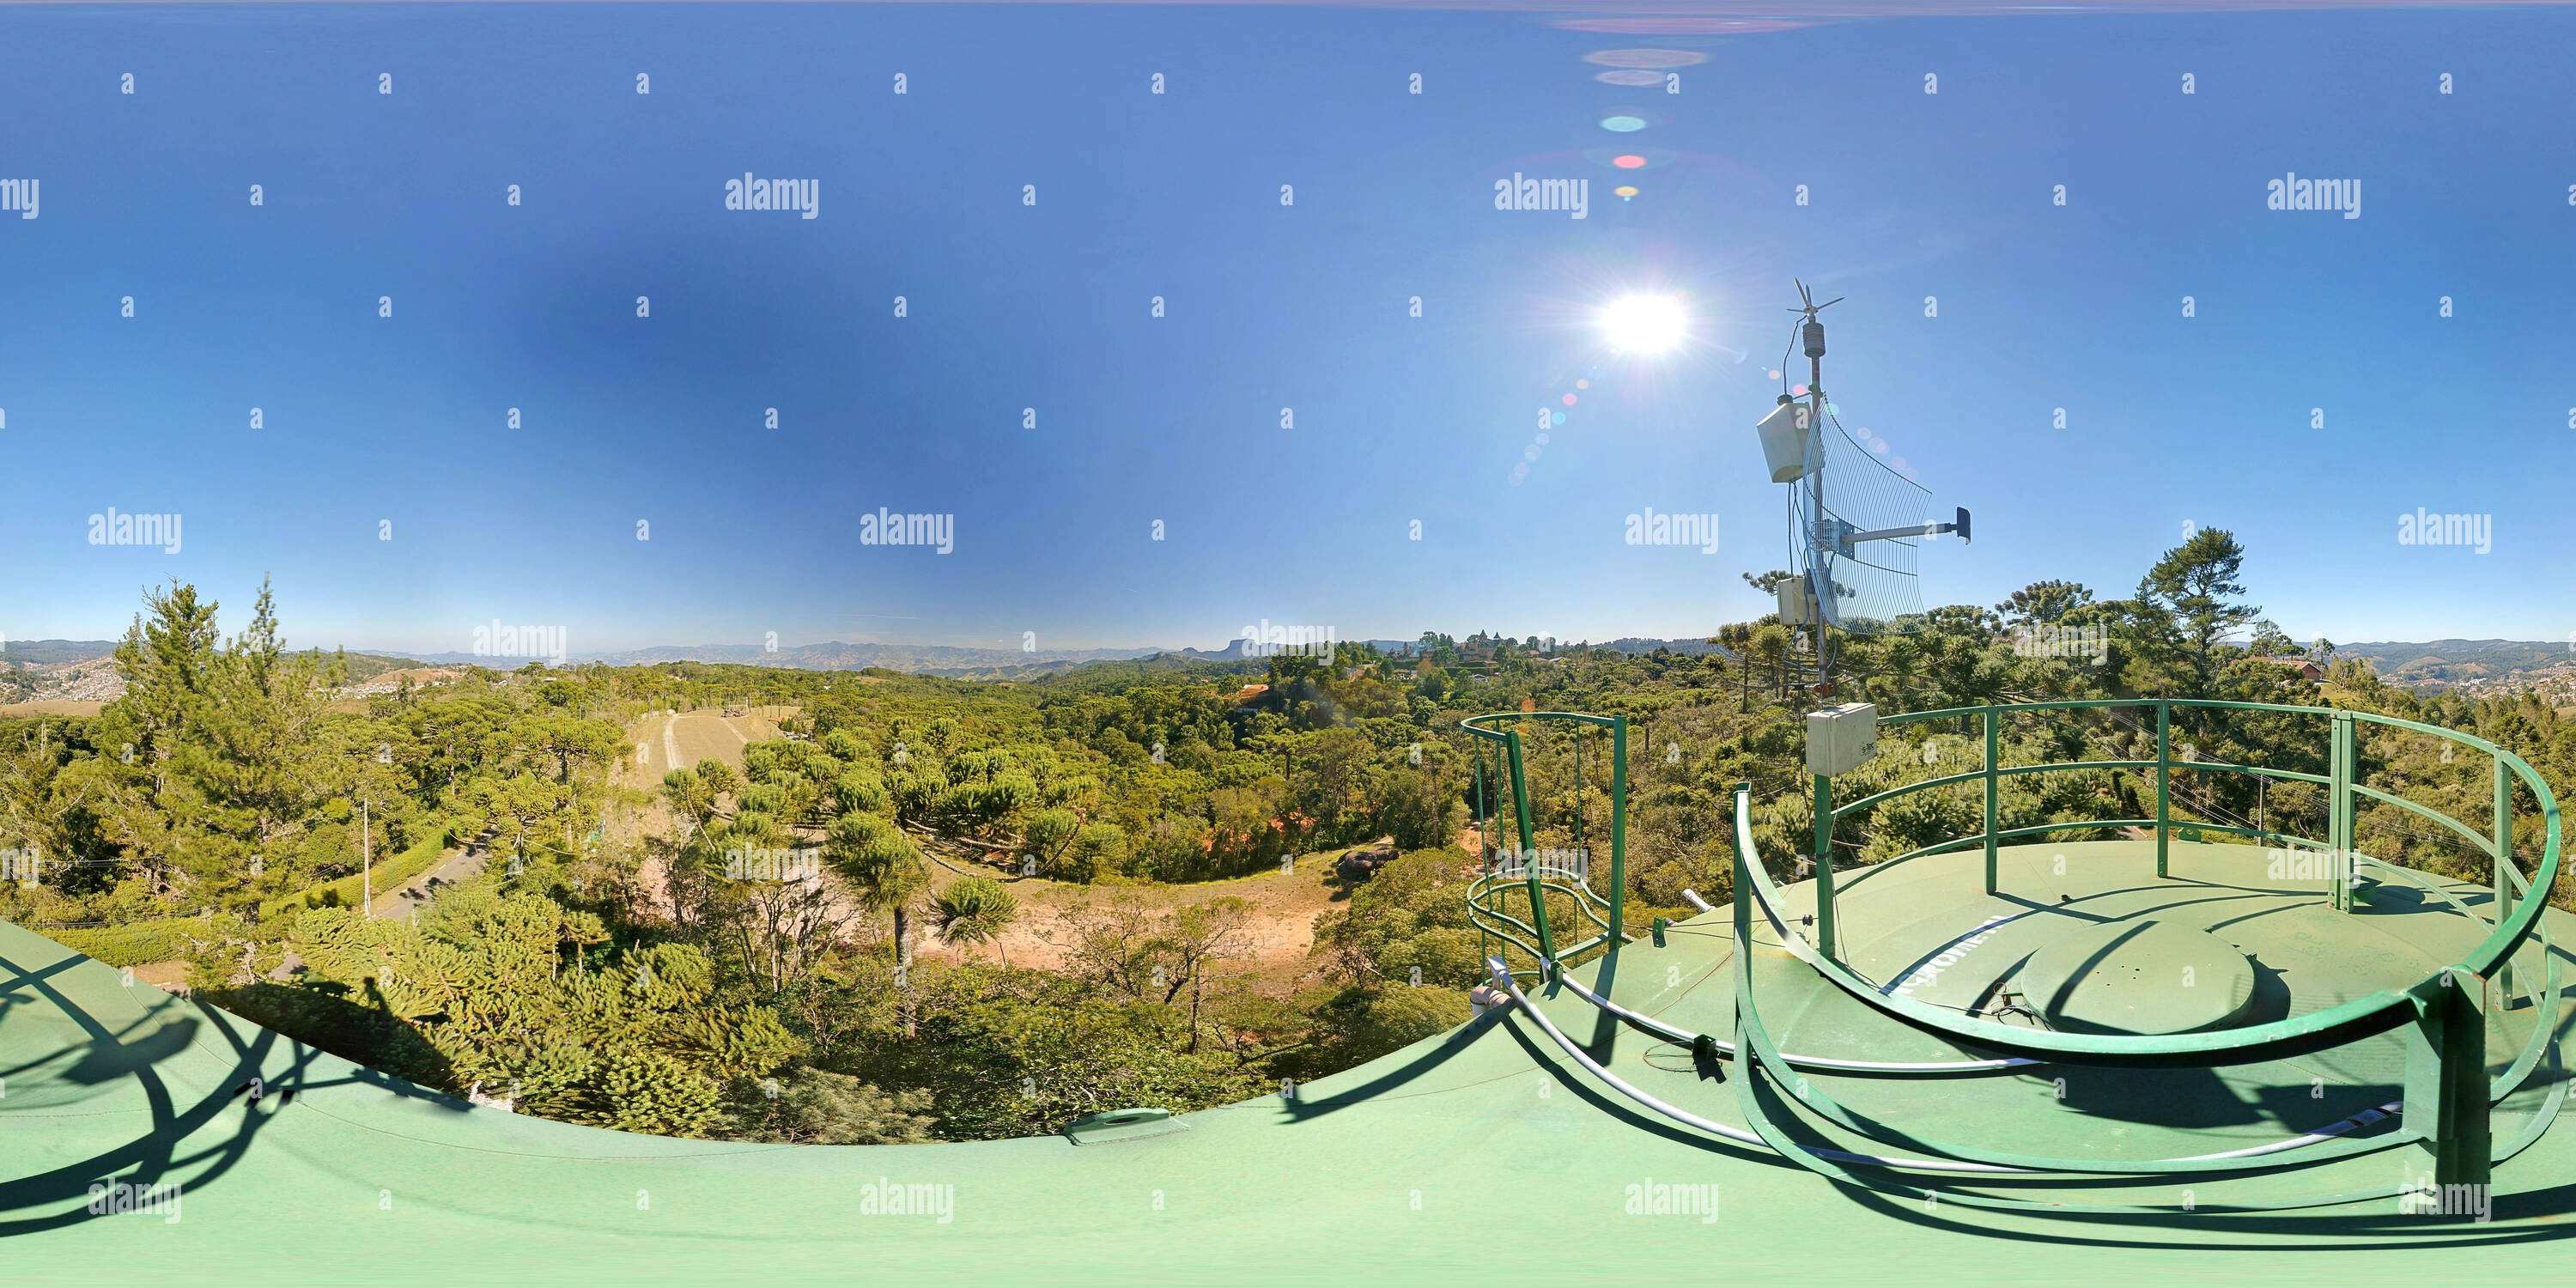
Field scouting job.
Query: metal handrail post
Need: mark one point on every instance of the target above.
(2339, 813)
(1994, 742)
(1529, 855)
(2164, 780)
(1743, 889)
(1618, 829)
(2503, 860)
(1825, 865)
(2446, 1079)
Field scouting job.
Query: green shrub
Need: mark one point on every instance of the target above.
(158, 940)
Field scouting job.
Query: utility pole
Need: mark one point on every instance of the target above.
(367, 860)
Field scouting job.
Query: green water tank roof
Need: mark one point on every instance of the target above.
(2138, 977)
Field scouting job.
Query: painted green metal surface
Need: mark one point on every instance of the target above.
(2138, 976)
(1449, 1159)
(2446, 1083)
(2510, 926)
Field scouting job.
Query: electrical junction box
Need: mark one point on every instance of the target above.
(1841, 739)
(1797, 603)
(1789, 443)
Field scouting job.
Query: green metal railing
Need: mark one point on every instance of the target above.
(2340, 783)
(1525, 874)
(2448, 1094)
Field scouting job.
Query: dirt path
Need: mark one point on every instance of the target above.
(679, 740)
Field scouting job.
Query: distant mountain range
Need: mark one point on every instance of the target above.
(54, 652)
(1692, 647)
(832, 656)
(951, 661)
(2459, 661)
(2439, 661)
(85, 670)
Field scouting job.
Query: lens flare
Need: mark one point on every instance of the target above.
(1644, 323)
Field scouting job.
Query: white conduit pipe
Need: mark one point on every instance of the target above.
(1804, 1061)
(1739, 1134)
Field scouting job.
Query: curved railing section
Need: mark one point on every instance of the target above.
(2448, 1095)
(1526, 872)
(2448, 1092)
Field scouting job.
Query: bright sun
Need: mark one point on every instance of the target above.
(1644, 323)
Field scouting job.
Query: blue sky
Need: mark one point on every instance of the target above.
(2169, 420)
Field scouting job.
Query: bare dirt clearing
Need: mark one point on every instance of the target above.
(1283, 906)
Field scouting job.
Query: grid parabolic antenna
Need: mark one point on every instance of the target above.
(1875, 589)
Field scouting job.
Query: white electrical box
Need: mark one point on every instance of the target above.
(1797, 603)
(1788, 442)
(1841, 739)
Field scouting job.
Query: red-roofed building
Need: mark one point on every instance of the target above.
(2308, 671)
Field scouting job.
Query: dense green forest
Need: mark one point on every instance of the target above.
(650, 955)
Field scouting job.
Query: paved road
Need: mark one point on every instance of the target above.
(403, 904)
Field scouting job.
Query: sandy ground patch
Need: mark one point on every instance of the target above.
(51, 707)
(1282, 925)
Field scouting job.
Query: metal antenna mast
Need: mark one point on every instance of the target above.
(1820, 542)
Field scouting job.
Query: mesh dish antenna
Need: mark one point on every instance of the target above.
(1854, 520)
